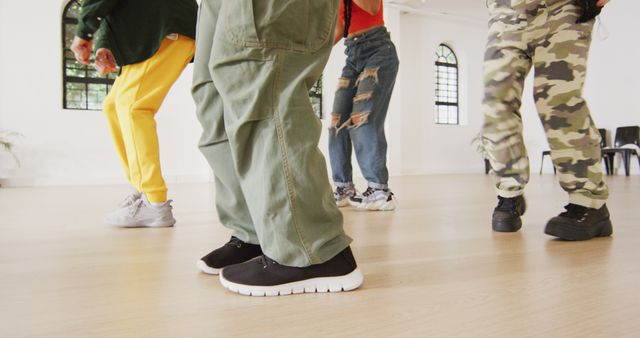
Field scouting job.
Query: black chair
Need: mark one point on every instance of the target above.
(624, 136)
(603, 144)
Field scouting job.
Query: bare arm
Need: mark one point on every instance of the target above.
(373, 6)
(601, 3)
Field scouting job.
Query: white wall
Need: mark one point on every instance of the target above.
(73, 147)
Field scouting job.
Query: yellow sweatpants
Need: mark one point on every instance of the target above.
(130, 108)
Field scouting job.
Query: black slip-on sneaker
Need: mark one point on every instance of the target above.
(580, 223)
(262, 276)
(506, 215)
(233, 252)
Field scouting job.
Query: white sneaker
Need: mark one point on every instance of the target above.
(374, 199)
(133, 196)
(342, 195)
(141, 213)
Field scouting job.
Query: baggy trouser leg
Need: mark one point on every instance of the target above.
(272, 129)
(560, 70)
(111, 113)
(506, 66)
(141, 91)
(339, 139)
(214, 142)
(370, 107)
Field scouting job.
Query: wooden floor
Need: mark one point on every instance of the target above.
(433, 268)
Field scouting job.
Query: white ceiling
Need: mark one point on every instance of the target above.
(474, 9)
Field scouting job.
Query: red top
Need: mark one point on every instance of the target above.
(360, 19)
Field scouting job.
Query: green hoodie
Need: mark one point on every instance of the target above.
(134, 29)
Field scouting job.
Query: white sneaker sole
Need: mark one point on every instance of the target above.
(354, 204)
(202, 266)
(376, 206)
(166, 224)
(347, 282)
(343, 203)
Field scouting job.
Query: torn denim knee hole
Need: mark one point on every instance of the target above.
(358, 119)
(363, 97)
(368, 73)
(343, 83)
(335, 123)
(335, 120)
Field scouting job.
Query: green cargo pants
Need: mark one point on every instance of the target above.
(255, 62)
(542, 34)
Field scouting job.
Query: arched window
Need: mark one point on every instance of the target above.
(446, 69)
(83, 87)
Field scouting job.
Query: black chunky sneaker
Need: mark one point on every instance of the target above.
(580, 223)
(506, 216)
(262, 276)
(233, 252)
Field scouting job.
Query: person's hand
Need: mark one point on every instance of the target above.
(601, 3)
(81, 49)
(105, 62)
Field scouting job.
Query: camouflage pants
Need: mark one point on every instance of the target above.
(541, 34)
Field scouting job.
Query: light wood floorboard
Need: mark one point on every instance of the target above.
(433, 268)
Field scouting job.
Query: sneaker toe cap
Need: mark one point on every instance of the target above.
(202, 266)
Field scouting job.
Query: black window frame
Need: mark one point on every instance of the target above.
(442, 61)
(69, 22)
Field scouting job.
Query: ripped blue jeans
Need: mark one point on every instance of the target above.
(360, 108)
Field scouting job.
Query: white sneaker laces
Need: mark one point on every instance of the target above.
(134, 207)
(130, 199)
